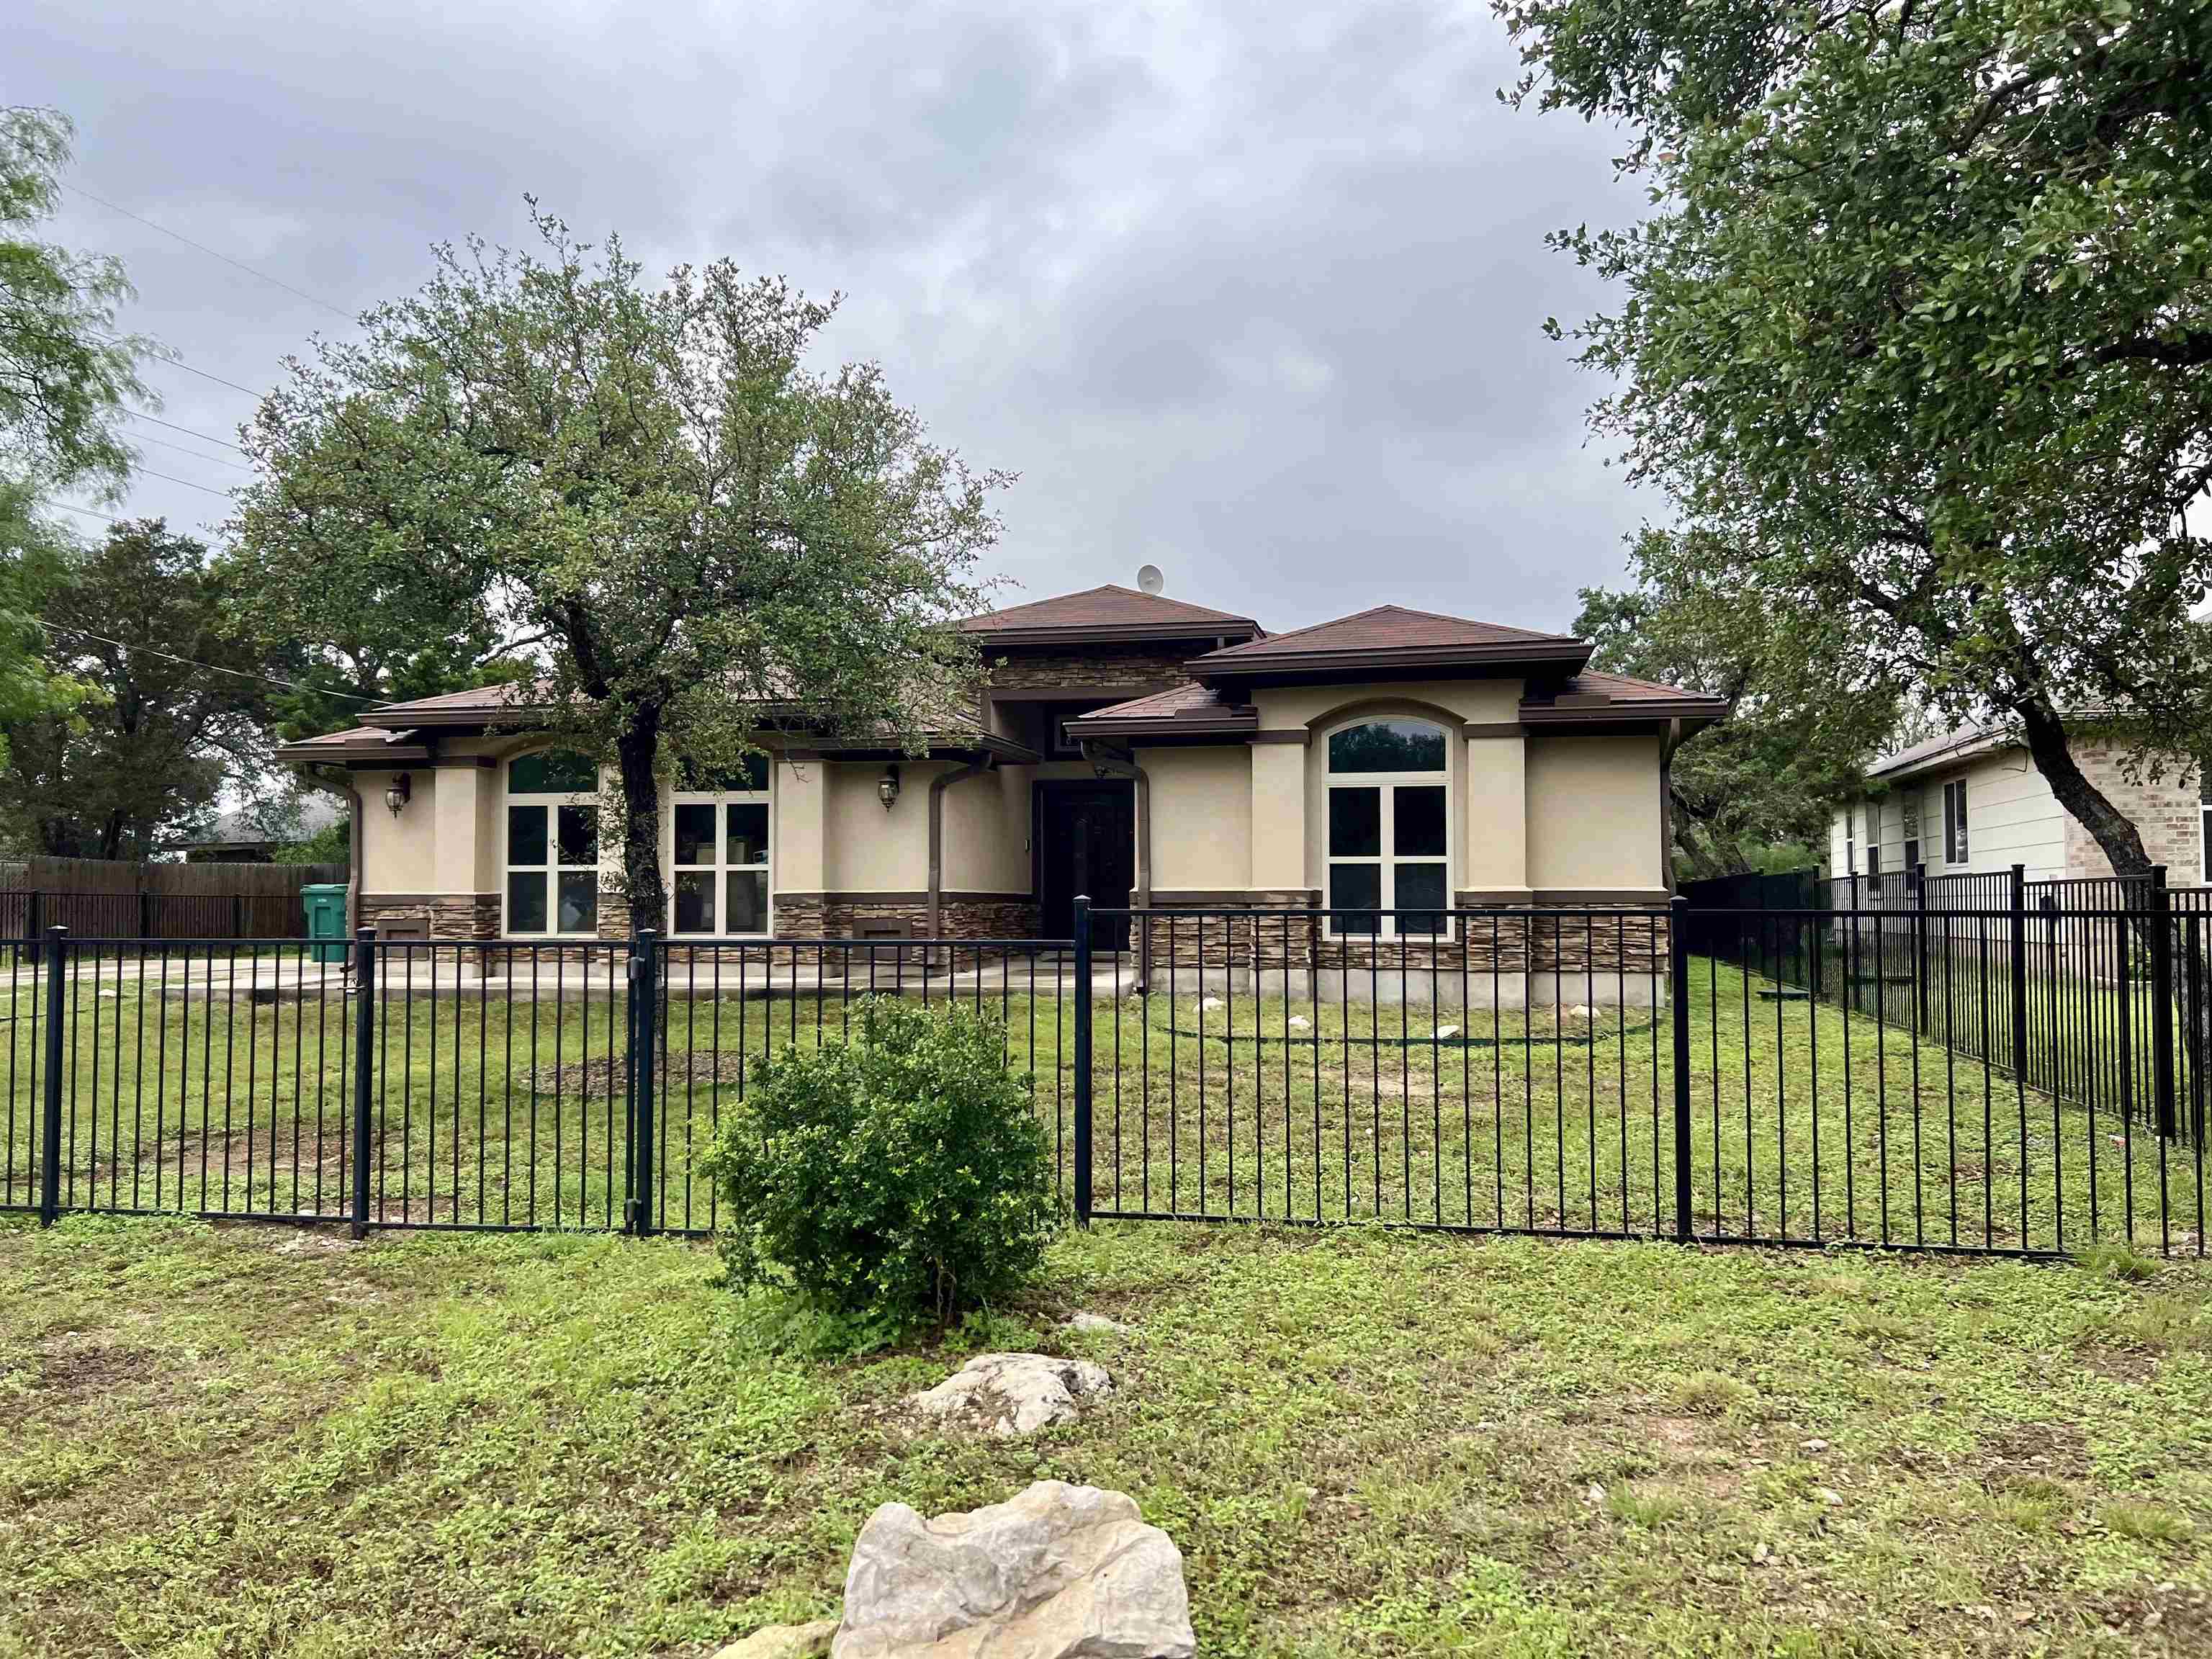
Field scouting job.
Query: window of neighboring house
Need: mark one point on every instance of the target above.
(2205, 826)
(552, 854)
(1873, 855)
(1850, 841)
(1955, 821)
(1389, 827)
(721, 851)
(1912, 857)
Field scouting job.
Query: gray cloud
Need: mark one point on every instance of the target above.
(1252, 294)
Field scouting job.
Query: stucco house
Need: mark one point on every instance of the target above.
(1971, 801)
(1136, 748)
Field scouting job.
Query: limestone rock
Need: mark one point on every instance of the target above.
(784, 1641)
(1059, 1572)
(1007, 1395)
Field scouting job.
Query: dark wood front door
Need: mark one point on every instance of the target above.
(1087, 842)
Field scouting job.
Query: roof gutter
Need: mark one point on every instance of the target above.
(937, 785)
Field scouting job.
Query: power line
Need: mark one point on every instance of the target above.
(87, 512)
(179, 363)
(213, 668)
(149, 472)
(204, 437)
(212, 460)
(234, 264)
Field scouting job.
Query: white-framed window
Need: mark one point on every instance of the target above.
(1389, 827)
(1955, 821)
(719, 856)
(1850, 841)
(551, 852)
(2205, 826)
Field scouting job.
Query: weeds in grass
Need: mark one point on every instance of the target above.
(2145, 1522)
(1644, 1506)
(2116, 1258)
(2154, 1322)
(1711, 1394)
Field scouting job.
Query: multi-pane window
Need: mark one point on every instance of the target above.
(1389, 828)
(1850, 841)
(552, 844)
(721, 851)
(1955, 821)
(2204, 823)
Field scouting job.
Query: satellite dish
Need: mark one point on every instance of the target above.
(1149, 579)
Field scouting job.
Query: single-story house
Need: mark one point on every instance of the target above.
(1140, 749)
(256, 835)
(1971, 801)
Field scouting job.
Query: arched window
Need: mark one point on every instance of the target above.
(1389, 828)
(552, 843)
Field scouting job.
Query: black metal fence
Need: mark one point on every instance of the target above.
(2094, 989)
(447, 1084)
(1695, 1074)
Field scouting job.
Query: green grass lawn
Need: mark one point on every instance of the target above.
(257, 1441)
(1807, 1122)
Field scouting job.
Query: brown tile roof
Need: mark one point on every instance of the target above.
(1385, 628)
(1108, 610)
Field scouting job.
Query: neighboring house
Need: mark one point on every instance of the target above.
(1972, 802)
(245, 837)
(1127, 745)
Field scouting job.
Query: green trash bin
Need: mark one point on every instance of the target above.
(326, 928)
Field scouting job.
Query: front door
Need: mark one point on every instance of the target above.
(1087, 842)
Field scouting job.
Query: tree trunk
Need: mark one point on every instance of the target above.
(2048, 746)
(637, 753)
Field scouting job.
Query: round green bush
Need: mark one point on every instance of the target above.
(896, 1174)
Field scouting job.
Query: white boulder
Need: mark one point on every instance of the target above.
(784, 1641)
(1097, 1324)
(1007, 1395)
(1059, 1572)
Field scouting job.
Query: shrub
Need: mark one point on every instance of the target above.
(897, 1175)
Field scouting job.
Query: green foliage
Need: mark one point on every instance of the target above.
(64, 375)
(897, 1176)
(2116, 1258)
(644, 491)
(139, 756)
(331, 844)
(1752, 793)
(1915, 335)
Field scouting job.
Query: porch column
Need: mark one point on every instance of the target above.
(799, 849)
(1279, 817)
(1497, 853)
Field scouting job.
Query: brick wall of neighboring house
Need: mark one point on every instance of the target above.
(431, 915)
(1136, 667)
(2167, 812)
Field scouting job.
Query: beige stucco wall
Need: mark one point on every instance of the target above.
(1202, 817)
(986, 832)
(1283, 707)
(398, 855)
(1595, 813)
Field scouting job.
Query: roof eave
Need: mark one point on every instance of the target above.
(1112, 634)
(1215, 666)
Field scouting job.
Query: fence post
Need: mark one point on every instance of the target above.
(644, 1056)
(1919, 949)
(1083, 1059)
(49, 1124)
(145, 916)
(1678, 992)
(2019, 896)
(364, 1038)
(34, 924)
(2161, 1011)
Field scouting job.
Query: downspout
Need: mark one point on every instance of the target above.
(1116, 764)
(1667, 745)
(937, 785)
(354, 859)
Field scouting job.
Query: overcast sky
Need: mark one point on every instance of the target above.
(1252, 292)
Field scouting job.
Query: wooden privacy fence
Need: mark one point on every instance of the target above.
(103, 898)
